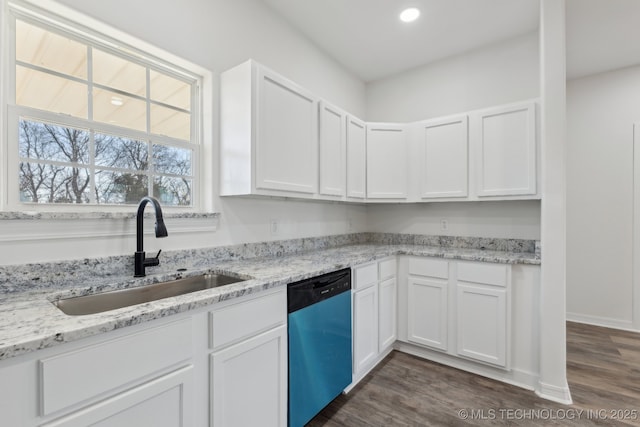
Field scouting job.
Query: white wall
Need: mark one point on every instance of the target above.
(217, 35)
(497, 74)
(601, 110)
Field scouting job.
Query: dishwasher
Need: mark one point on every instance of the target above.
(319, 329)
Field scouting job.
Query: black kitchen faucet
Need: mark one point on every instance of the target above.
(161, 231)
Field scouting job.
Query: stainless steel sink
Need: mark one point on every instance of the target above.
(98, 303)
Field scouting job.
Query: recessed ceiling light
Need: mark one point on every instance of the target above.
(409, 15)
(116, 101)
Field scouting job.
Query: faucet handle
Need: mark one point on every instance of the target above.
(152, 262)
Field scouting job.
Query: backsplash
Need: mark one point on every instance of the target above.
(33, 277)
(488, 243)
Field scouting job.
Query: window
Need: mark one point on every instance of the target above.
(94, 122)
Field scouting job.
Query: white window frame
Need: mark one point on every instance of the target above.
(97, 34)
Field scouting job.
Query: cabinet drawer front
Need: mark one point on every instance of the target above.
(488, 274)
(365, 276)
(162, 402)
(245, 319)
(429, 267)
(387, 268)
(88, 372)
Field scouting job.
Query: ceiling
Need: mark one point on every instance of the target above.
(367, 38)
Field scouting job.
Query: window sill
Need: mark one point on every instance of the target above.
(40, 226)
(100, 215)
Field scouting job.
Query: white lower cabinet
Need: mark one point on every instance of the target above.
(427, 311)
(427, 302)
(482, 324)
(139, 376)
(374, 314)
(387, 301)
(365, 328)
(163, 402)
(249, 370)
(220, 366)
(482, 301)
(249, 382)
(460, 308)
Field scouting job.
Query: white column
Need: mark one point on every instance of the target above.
(635, 260)
(553, 353)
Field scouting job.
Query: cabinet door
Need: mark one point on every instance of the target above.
(427, 323)
(482, 323)
(505, 141)
(249, 382)
(386, 161)
(332, 150)
(164, 402)
(365, 328)
(387, 313)
(286, 135)
(444, 165)
(356, 158)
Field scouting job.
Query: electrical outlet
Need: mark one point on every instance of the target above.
(444, 225)
(274, 227)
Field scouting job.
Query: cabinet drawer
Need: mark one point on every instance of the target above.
(485, 273)
(245, 319)
(74, 377)
(387, 269)
(429, 267)
(162, 402)
(365, 276)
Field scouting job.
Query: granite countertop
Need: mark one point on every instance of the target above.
(29, 321)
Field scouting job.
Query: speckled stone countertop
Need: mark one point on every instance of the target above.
(29, 321)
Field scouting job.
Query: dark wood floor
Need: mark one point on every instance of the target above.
(603, 370)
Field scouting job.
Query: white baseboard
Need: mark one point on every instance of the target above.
(365, 372)
(555, 393)
(607, 322)
(514, 376)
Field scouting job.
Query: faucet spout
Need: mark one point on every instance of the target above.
(140, 260)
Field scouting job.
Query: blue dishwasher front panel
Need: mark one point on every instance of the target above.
(319, 356)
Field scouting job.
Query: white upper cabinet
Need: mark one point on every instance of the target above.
(278, 139)
(443, 152)
(269, 134)
(356, 158)
(387, 161)
(333, 152)
(505, 143)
